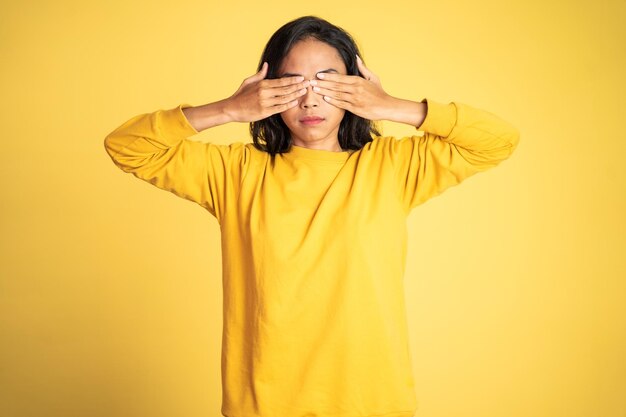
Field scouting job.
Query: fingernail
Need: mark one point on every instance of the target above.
(313, 82)
(316, 89)
(320, 75)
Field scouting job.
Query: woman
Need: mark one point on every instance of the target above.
(313, 219)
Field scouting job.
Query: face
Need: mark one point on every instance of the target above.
(307, 58)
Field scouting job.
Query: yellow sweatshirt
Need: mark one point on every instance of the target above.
(314, 251)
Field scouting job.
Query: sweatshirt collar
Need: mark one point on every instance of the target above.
(318, 154)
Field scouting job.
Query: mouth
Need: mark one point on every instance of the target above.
(311, 120)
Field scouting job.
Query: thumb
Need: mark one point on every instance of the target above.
(259, 75)
(366, 72)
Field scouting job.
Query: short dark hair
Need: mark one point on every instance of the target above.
(272, 134)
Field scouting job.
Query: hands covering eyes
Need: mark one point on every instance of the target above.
(258, 98)
(364, 97)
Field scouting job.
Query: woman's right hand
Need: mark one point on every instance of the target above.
(258, 98)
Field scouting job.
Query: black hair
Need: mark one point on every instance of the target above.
(272, 134)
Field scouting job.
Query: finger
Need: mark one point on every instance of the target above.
(282, 82)
(280, 91)
(336, 94)
(369, 75)
(282, 107)
(263, 72)
(259, 75)
(346, 79)
(282, 99)
(338, 103)
(335, 86)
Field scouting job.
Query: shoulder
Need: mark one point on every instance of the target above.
(237, 148)
(377, 143)
(387, 143)
(233, 154)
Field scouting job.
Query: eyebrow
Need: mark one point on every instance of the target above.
(289, 74)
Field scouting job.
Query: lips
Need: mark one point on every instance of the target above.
(311, 120)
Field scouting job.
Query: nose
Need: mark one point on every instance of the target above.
(310, 99)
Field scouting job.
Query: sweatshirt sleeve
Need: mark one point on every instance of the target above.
(459, 141)
(155, 148)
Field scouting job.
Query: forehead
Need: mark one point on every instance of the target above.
(309, 56)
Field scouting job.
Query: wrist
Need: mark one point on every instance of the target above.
(228, 110)
(207, 116)
(407, 111)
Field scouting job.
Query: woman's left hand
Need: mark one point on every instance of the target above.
(364, 97)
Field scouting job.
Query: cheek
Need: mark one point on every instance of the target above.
(289, 115)
(338, 114)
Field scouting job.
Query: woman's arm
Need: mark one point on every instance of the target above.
(256, 99)
(365, 97)
(406, 111)
(208, 115)
(155, 146)
(459, 140)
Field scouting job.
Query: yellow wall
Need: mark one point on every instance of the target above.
(110, 291)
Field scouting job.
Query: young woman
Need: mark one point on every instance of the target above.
(313, 219)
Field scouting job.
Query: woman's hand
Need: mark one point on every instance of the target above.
(364, 97)
(258, 98)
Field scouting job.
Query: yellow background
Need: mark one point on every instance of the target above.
(110, 291)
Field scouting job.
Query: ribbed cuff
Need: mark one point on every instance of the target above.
(440, 118)
(176, 123)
